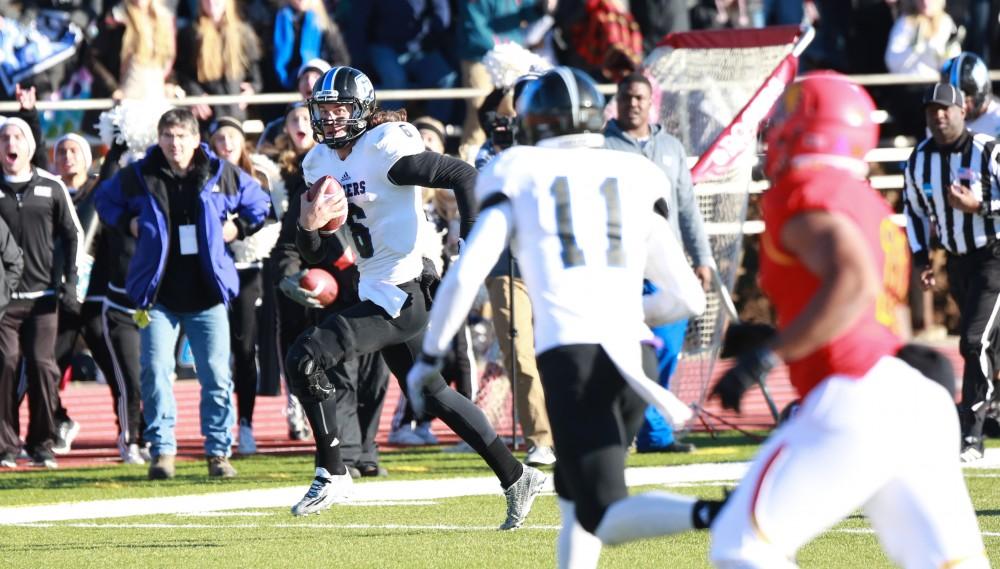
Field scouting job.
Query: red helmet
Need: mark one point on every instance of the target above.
(824, 116)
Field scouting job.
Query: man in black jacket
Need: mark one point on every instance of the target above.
(38, 210)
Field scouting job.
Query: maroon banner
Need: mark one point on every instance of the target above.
(741, 134)
(741, 38)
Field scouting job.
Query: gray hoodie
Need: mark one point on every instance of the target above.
(668, 153)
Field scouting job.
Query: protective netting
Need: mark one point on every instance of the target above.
(702, 92)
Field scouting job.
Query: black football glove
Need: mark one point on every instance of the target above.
(751, 368)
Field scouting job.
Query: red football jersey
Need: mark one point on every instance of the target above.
(790, 286)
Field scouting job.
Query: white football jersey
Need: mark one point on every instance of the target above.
(386, 221)
(582, 217)
(988, 122)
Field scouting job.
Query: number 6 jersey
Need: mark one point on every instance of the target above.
(386, 221)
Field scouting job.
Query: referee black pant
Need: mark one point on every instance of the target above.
(974, 283)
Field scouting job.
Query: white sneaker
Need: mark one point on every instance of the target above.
(326, 490)
(65, 435)
(406, 436)
(247, 443)
(540, 455)
(423, 431)
(132, 455)
(971, 454)
(521, 496)
(144, 453)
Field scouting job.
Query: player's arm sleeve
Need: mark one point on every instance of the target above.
(679, 294)
(461, 283)
(918, 225)
(433, 170)
(688, 215)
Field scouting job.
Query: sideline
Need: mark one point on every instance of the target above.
(371, 493)
(377, 491)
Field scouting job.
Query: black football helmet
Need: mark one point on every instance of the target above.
(342, 85)
(969, 73)
(562, 101)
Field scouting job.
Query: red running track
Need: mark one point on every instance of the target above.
(91, 405)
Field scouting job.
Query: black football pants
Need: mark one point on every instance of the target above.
(595, 416)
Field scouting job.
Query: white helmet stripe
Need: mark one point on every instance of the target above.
(574, 93)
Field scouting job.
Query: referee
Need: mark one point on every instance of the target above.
(953, 193)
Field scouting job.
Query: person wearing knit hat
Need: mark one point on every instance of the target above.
(21, 125)
(38, 210)
(73, 159)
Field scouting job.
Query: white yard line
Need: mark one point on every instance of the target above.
(403, 527)
(367, 492)
(388, 492)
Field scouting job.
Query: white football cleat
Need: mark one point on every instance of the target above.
(326, 490)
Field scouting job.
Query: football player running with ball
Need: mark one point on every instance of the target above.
(872, 432)
(380, 169)
(586, 225)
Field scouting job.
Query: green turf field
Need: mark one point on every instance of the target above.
(448, 532)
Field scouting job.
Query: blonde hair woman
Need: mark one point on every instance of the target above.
(133, 53)
(148, 49)
(218, 54)
(923, 38)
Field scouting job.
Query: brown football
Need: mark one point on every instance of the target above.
(321, 282)
(328, 188)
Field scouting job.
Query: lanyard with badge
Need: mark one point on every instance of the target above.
(187, 237)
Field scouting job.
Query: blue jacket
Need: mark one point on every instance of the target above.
(140, 189)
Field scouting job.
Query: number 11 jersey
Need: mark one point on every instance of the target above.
(582, 218)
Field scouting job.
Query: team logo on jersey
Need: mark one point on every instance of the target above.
(354, 189)
(345, 178)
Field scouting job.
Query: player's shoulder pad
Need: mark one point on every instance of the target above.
(503, 174)
(395, 139)
(316, 163)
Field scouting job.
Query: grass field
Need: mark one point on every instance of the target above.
(397, 531)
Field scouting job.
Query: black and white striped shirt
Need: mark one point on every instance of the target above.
(973, 161)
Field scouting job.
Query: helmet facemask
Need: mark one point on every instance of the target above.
(341, 85)
(355, 125)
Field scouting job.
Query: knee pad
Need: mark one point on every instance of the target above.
(306, 374)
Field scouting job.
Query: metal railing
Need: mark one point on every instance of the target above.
(463, 93)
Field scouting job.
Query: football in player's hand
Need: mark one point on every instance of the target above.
(322, 283)
(327, 189)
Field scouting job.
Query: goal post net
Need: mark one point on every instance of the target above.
(715, 89)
